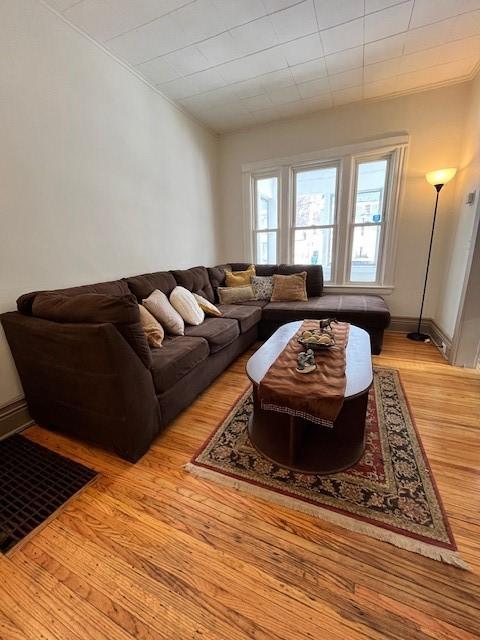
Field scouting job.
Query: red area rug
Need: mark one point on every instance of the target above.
(390, 494)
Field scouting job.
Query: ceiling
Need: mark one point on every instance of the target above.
(235, 63)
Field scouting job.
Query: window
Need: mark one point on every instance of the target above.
(336, 208)
(368, 217)
(266, 220)
(315, 217)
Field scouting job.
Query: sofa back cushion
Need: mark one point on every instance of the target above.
(86, 307)
(217, 277)
(112, 288)
(120, 310)
(195, 280)
(314, 276)
(143, 285)
(260, 269)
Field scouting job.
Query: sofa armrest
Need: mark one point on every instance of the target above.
(85, 380)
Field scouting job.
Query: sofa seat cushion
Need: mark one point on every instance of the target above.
(252, 303)
(370, 311)
(175, 358)
(218, 332)
(247, 316)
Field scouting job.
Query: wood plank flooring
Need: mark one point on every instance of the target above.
(151, 552)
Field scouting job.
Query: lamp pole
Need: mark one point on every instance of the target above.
(417, 335)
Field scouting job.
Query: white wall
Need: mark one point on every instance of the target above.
(463, 218)
(434, 120)
(100, 177)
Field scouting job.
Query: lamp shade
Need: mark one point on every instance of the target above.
(441, 176)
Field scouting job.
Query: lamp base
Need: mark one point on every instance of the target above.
(418, 337)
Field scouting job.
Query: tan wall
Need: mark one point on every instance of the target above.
(434, 120)
(100, 176)
(463, 218)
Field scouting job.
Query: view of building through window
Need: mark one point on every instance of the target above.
(315, 191)
(371, 177)
(266, 222)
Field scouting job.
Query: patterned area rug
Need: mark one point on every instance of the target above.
(390, 494)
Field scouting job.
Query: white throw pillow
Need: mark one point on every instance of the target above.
(183, 301)
(159, 306)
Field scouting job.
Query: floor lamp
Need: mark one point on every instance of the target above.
(437, 179)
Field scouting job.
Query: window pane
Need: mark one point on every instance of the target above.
(314, 246)
(371, 178)
(266, 249)
(365, 253)
(315, 197)
(266, 205)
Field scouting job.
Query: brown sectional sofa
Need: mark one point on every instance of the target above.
(100, 381)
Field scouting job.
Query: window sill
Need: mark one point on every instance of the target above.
(359, 288)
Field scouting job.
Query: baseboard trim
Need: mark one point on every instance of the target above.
(14, 417)
(406, 324)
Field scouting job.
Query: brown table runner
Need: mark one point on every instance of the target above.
(317, 396)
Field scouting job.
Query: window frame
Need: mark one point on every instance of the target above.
(394, 146)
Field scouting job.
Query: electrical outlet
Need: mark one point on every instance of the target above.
(471, 197)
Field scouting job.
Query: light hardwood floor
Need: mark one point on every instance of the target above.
(152, 552)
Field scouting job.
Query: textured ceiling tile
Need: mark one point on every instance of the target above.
(330, 14)
(251, 66)
(309, 70)
(351, 78)
(350, 94)
(187, 60)
(255, 36)
(235, 12)
(428, 11)
(314, 88)
(343, 37)
(302, 49)
(295, 22)
(221, 48)
(388, 22)
(344, 60)
(378, 5)
(158, 71)
(277, 79)
(255, 103)
(284, 95)
(385, 49)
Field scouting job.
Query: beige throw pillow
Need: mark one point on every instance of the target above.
(208, 308)
(152, 328)
(183, 301)
(231, 295)
(159, 306)
(239, 278)
(290, 288)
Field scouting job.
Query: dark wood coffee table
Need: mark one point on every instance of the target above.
(303, 445)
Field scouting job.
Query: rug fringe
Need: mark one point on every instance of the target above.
(403, 542)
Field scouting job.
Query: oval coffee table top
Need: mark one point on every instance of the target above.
(358, 370)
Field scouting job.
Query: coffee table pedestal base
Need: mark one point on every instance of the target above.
(301, 445)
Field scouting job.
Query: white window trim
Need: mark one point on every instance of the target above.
(283, 168)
